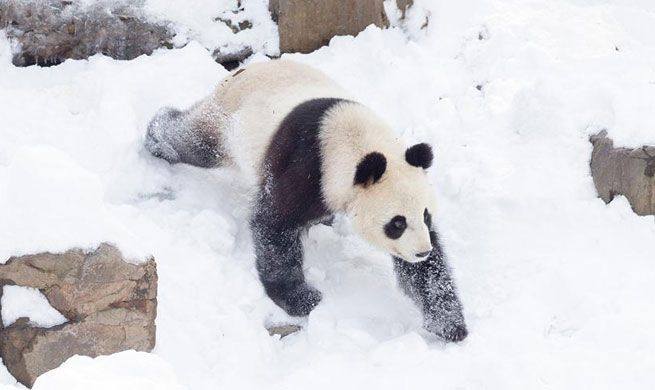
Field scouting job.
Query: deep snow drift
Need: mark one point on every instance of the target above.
(556, 285)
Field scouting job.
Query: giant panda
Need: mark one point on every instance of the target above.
(315, 152)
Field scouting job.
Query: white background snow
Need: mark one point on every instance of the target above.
(558, 287)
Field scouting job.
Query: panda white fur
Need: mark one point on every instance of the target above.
(317, 152)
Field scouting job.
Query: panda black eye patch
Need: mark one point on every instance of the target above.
(427, 218)
(396, 227)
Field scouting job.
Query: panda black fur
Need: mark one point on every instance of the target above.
(316, 152)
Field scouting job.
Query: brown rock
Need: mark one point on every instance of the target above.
(283, 330)
(403, 5)
(306, 25)
(111, 306)
(621, 171)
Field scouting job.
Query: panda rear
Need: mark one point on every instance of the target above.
(314, 152)
(185, 137)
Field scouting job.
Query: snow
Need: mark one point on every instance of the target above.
(200, 20)
(556, 285)
(7, 382)
(129, 370)
(28, 302)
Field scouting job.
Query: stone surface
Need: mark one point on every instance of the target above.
(283, 330)
(403, 5)
(306, 25)
(111, 306)
(621, 171)
(51, 31)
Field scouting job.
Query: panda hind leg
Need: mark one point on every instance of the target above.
(190, 137)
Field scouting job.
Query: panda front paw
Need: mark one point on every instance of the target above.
(452, 332)
(455, 333)
(297, 299)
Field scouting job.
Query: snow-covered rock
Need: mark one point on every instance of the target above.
(110, 306)
(51, 31)
(624, 171)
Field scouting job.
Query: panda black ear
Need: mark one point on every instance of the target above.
(370, 169)
(419, 155)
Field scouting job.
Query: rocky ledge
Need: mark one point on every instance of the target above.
(622, 171)
(48, 32)
(110, 305)
(306, 25)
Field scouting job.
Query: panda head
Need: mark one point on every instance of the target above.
(393, 203)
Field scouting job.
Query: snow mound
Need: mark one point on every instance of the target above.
(129, 370)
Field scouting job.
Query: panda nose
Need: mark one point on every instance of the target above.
(422, 254)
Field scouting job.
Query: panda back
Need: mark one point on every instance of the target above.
(292, 172)
(256, 99)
